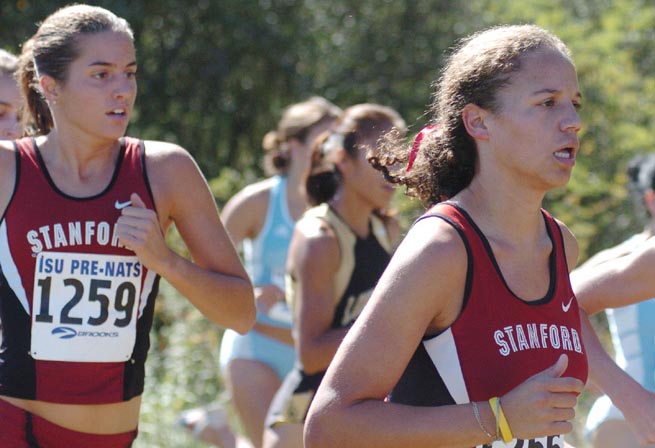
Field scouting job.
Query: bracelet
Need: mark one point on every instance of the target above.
(504, 424)
(476, 412)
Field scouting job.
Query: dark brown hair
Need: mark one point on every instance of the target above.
(52, 50)
(357, 124)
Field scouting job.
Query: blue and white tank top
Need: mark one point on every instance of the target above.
(265, 256)
(632, 329)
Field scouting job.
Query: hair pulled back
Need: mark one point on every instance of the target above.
(479, 66)
(357, 124)
(297, 122)
(51, 51)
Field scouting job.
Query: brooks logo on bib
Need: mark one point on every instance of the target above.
(85, 307)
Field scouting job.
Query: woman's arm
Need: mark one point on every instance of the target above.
(214, 280)
(420, 293)
(610, 253)
(618, 282)
(636, 403)
(313, 261)
(280, 334)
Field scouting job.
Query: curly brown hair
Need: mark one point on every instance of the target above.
(479, 66)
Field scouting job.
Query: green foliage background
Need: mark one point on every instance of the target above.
(215, 74)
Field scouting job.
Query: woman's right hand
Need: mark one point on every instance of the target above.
(269, 300)
(543, 405)
(266, 296)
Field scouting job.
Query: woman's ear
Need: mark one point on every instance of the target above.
(473, 117)
(49, 88)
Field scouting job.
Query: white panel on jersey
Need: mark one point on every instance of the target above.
(443, 353)
(10, 270)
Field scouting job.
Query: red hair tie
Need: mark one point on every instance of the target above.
(417, 144)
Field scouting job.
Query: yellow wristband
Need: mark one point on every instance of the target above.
(504, 425)
(494, 402)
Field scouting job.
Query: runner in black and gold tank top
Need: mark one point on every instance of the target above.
(337, 254)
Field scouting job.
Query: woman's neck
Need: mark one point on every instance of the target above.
(295, 193)
(511, 215)
(354, 213)
(75, 167)
(78, 149)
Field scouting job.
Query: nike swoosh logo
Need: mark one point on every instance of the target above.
(122, 205)
(566, 307)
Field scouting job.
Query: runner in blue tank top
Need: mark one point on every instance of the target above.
(260, 218)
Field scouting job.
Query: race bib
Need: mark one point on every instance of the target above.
(541, 442)
(85, 307)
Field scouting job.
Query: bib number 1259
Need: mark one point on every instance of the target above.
(85, 307)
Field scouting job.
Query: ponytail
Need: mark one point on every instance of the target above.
(276, 157)
(37, 119)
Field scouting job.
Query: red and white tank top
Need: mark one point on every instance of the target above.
(75, 306)
(499, 340)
